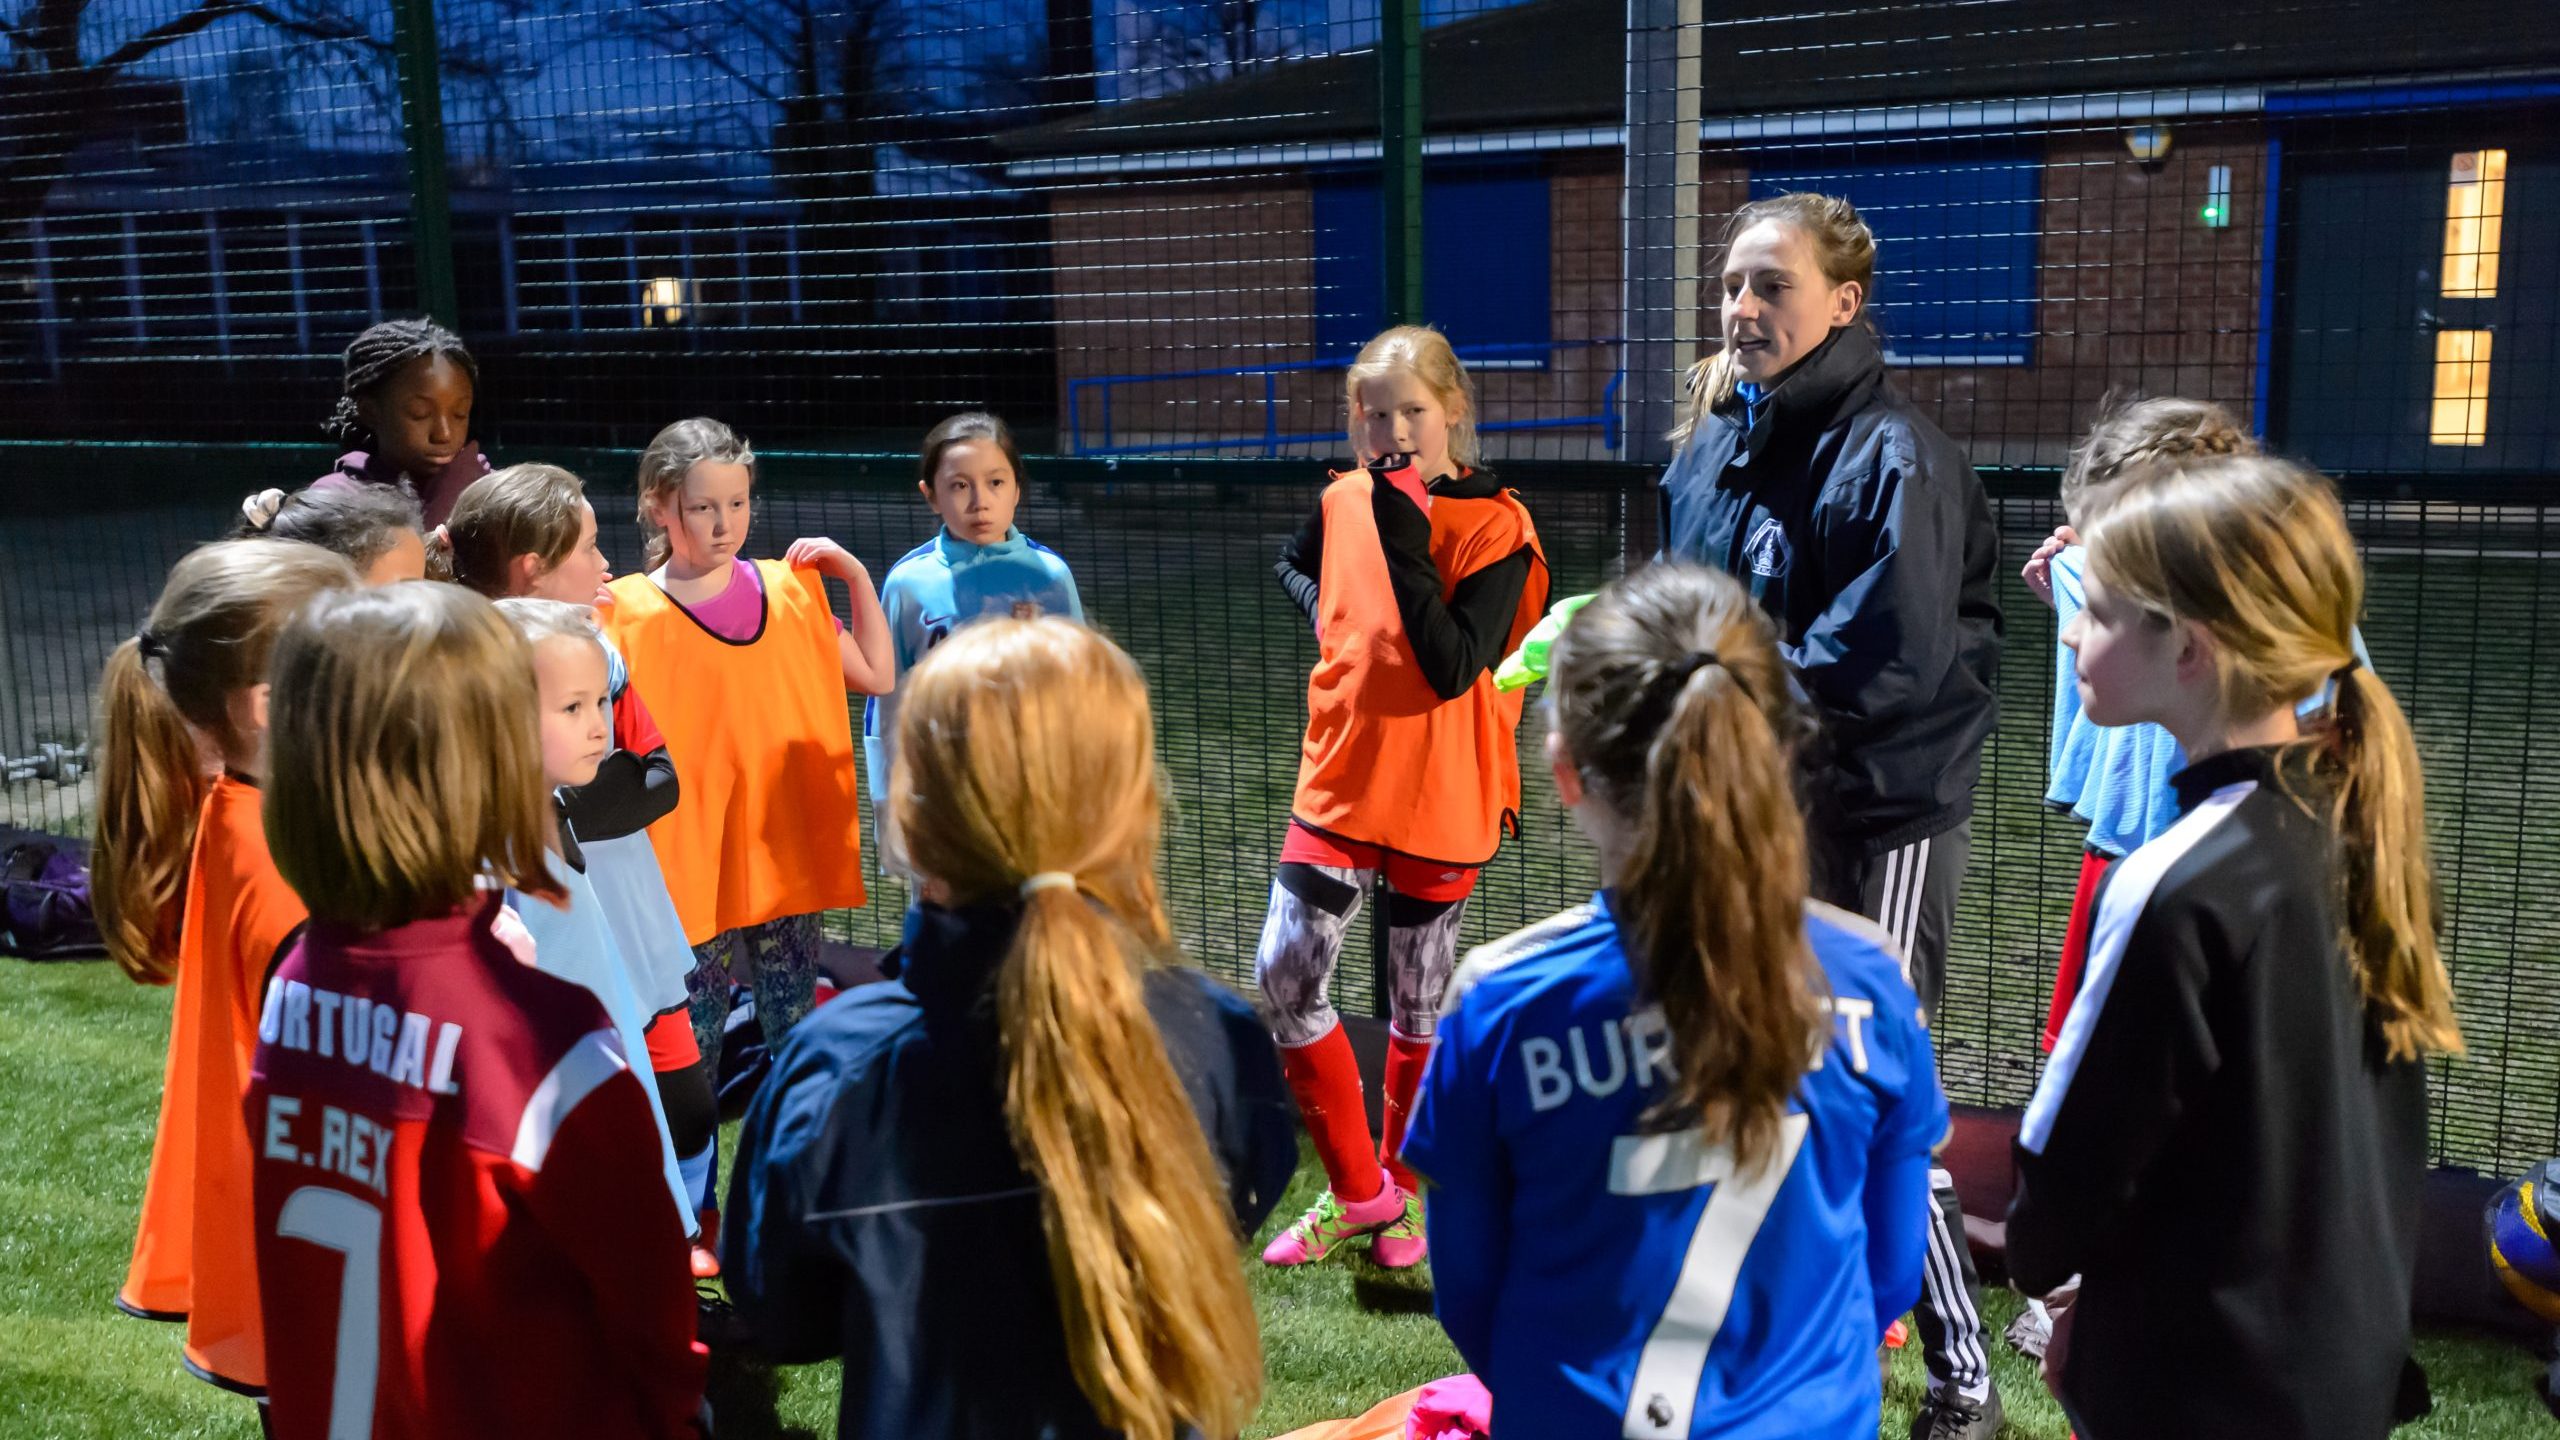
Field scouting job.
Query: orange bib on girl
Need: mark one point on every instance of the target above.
(194, 1251)
(1386, 761)
(767, 824)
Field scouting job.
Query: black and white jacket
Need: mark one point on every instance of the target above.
(2218, 1146)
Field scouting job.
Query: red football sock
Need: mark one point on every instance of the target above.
(1326, 1080)
(1407, 1058)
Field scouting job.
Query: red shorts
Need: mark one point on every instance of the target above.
(671, 1042)
(2075, 946)
(1418, 879)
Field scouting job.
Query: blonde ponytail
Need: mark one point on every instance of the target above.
(2380, 815)
(208, 636)
(1026, 754)
(151, 782)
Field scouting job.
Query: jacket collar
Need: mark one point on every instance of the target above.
(957, 552)
(1836, 379)
(2285, 767)
(948, 957)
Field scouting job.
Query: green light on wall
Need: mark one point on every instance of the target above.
(2216, 213)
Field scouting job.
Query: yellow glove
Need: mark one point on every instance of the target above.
(1527, 665)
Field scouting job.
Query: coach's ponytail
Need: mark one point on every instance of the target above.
(208, 637)
(1673, 705)
(1025, 775)
(2257, 551)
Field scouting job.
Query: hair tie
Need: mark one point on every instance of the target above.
(151, 646)
(1046, 880)
(2353, 665)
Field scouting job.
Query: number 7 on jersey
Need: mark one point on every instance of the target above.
(1664, 1397)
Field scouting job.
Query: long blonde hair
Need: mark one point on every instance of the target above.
(1425, 354)
(208, 637)
(1671, 699)
(405, 761)
(1842, 245)
(1025, 747)
(2256, 550)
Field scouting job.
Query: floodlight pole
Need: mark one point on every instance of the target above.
(1400, 156)
(413, 34)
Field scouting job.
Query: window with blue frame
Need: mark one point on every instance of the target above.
(1486, 278)
(1955, 251)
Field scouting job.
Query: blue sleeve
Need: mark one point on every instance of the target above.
(1067, 582)
(1897, 1206)
(788, 1292)
(1454, 1145)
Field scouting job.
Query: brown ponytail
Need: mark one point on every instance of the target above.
(1025, 748)
(208, 637)
(1670, 698)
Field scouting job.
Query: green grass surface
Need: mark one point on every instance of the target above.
(80, 1060)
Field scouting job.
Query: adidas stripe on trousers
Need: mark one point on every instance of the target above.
(1911, 892)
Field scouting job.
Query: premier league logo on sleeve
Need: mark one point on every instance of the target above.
(1768, 549)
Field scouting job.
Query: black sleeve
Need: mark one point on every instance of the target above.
(2114, 1093)
(629, 794)
(1264, 1142)
(1460, 638)
(1301, 560)
(1896, 542)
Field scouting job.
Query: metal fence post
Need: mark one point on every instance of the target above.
(1400, 156)
(1665, 43)
(413, 26)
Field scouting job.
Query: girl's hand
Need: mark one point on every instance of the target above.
(2039, 567)
(817, 552)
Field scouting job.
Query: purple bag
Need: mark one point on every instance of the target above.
(45, 914)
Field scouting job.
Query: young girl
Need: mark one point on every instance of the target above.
(985, 1184)
(2117, 779)
(747, 668)
(184, 889)
(529, 531)
(574, 941)
(2263, 982)
(977, 566)
(404, 416)
(452, 1153)
(1678, 1138)
(378, 530)
(1419, 574)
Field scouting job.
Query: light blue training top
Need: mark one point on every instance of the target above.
(942, 585)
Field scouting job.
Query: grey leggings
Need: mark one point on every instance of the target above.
(1312, 907)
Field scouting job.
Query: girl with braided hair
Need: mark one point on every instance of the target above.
(403, 419)
(2116, 780)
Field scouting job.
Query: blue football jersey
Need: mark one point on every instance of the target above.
(941, 585)
(1605, 1281)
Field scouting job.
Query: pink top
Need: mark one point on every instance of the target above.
(736, 614)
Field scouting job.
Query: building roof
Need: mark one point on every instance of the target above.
(1551, 63)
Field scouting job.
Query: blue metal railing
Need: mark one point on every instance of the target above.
(1271, 438)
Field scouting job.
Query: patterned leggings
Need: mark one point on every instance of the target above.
(781, 962)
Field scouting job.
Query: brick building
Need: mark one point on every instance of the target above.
(2071, 200)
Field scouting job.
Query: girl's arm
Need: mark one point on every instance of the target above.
(1460, 638)
(1454, 1143)
(1301, 564)
(869, 667)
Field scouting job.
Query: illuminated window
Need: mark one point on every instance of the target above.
(2475, 204)
(665, 300)
(2462, 388)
